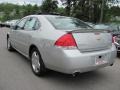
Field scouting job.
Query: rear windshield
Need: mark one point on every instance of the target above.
(67, 23)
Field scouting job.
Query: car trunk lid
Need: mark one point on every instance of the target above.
(92, 40)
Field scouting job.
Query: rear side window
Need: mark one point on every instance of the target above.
(67, 23)
(30, 24)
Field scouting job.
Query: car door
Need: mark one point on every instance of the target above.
(15, 33)
(25, 36)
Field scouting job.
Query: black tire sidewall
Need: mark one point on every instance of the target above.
(9, 48)
(42, 66)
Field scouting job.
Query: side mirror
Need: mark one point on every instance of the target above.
(14, 27)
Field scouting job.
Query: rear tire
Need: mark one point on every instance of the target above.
(9, 46)
(37, 64)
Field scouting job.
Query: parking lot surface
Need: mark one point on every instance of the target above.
(16, 74)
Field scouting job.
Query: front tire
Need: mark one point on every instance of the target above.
(37, 64)
(9, 46)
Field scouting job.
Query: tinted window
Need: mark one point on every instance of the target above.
(21, 24)
(30, 24)
(67, 23)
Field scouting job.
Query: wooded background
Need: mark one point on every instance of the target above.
(96, 11)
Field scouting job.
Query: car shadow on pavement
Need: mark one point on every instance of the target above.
(84, 80)
(81, 78)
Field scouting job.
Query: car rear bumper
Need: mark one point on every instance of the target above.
(72, 61)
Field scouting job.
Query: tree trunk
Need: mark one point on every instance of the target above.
(68, 8)
(102, 11)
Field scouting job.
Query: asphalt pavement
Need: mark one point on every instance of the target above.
(16, 74)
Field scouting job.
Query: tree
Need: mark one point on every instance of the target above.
(35, 9)
(49, 6)
(61, 11)
(68, 7)
(88, 10)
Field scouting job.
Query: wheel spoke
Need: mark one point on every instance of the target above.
(35, 62)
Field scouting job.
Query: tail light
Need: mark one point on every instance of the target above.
(66, 41)
(114, 39)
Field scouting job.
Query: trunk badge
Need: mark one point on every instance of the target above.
(98, 38)
(97, 33)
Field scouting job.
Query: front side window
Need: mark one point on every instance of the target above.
(21, 24)
(67, 23)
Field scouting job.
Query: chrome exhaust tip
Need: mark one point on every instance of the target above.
(75, 74)
(111, 64)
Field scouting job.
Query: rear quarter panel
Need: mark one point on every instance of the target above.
(44, 39)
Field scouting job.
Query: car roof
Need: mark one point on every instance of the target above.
(42, 15)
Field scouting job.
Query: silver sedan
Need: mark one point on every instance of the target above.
(60, 43)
